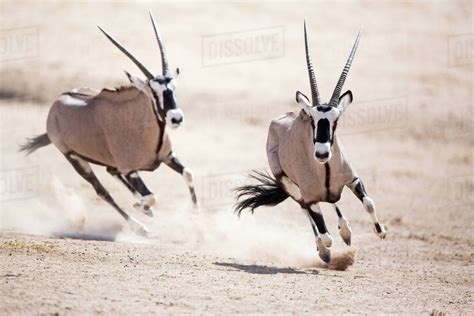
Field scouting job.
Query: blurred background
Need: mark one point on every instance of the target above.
(409, 131)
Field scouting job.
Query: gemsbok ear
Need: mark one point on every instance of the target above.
(344, 101)
(137, 82)
(304, 102)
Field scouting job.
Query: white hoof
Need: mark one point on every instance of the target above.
(145, 205)
(149, 199)
(383, 231)
(326, 239)
(345, 231)
(324, 253)
(137, 227)
(145, 209)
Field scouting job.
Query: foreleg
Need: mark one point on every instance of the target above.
(357, 187)
(173, 162)
(344, 229)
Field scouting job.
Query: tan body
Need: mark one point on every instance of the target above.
(290, 152)
(123, 129)
(116, 128)
(307, 162)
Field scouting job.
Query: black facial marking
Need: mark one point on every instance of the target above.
(168, 100)
(159, 112)
(334, 130)
(323, 108)
(322, 133)
(163, 80)
(322, 156)
(338, 212)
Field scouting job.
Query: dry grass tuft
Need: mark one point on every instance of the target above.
(28, 246)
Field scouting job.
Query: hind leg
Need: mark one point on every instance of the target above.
(83, 168)
(323, 238)
(146, 198)
(317, 215)
(344, 229)
(173, 162)
(133, 182)
(324, 252)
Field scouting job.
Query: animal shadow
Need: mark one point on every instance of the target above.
(107, 233)
(262, 269)
(86, 236)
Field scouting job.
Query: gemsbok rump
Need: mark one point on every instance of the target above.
(123, 129)
(307, 162)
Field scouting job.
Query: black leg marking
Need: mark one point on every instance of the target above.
(319, 220)
(115, 173)
(338, 211)
(82, 167)
(324, 252)
(378, 228)
(173, 162)
(137, 183)
(359, 190)
(306, 209)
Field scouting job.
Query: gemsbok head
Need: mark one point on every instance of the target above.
(163, 86)
(324, 116)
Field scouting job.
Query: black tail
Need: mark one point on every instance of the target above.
(34, 143)
(267, 192)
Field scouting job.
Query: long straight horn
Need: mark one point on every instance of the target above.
(312, 78)
(145, 71)
(164, 59)
(337, 91)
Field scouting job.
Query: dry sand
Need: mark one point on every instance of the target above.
(409, 133)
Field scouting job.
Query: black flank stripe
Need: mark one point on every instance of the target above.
(161, 124)
(328, 178)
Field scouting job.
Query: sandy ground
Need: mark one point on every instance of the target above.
(409, 133)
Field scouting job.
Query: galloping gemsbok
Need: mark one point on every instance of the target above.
(307, 162)
(123, 129)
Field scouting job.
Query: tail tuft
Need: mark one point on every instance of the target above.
(34, 143)
(267, 192)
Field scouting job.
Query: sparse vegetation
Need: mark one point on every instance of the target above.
(28, 246)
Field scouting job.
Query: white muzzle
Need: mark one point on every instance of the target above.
(322, 152)
(174, 118)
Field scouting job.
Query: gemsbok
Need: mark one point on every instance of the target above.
(307, 162)
(123, 129)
